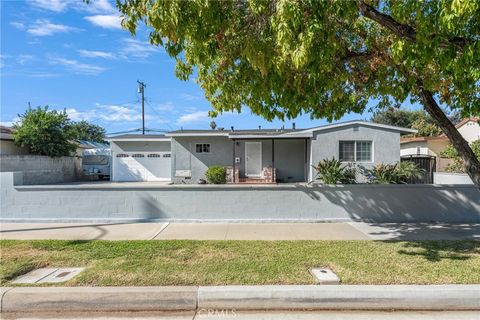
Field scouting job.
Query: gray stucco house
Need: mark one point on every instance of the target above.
(252, 156)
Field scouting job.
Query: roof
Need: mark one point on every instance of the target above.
(85, 144)
(418, 139)
(139, 137)
(464, 121)
(281, 133)
(358, 122)
(6, 133)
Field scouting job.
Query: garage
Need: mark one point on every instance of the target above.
(141, 158)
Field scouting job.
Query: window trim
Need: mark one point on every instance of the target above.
(372, 153)
(201, 148)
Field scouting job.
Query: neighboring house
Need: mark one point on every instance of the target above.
(7, 146)
(252, 156)
(421, 146)
(433, 146)
(469, 129)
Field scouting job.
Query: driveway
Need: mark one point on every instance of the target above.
(240, 231)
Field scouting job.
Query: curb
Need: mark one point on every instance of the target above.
(66, 299)
(289, 297)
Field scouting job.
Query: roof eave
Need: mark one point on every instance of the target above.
(136, 139)
(364, 123)
(199, 134)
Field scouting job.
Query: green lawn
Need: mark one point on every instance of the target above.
(147, 263)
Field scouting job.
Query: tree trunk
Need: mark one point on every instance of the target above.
(472, 165)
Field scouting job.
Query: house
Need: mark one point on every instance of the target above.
(7, 146)
(469, 128)
(252, 156)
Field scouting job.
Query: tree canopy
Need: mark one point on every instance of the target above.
(83, 130)
(45, 132)
(324, 58)
(414, 119)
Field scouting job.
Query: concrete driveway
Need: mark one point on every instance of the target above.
(239, 231)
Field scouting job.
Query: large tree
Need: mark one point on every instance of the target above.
(45, 132)
(326, 58)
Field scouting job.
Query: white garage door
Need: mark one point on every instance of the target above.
(142, 166)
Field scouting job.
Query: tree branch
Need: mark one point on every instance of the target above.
(404, 31)
(472, 164)
(356, 55)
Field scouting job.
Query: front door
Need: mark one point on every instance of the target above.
(253, 159)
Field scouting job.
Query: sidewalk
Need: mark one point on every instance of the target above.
(239, 231)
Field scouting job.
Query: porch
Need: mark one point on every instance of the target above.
(269, 160)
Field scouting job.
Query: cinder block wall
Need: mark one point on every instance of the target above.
(241, 203)
(43, 169)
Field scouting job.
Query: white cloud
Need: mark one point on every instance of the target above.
(9, 123)
(50, 5)
(107, 21)
(111, 113)
(18, 25)
(137, 48)
(43, 27)
(167, 106)
(77, 67)
(25, 58)
(190, 97)
(194, 117)
(41, 74)
(96, 54)
(97, 6)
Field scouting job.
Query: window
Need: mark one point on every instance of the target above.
(364, 151)
(202, 148)
(95, 160)
(138, 155)
(355, 151)
(167, 155)
(153, 155)
(347, 151)
(122, 155)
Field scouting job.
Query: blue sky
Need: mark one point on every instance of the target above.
(66, 54)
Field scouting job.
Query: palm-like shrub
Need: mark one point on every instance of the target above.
(332, 171)
(385, 173)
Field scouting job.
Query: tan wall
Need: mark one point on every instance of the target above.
(437, 146)
(7, 147)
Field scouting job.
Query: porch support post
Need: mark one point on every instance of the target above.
(273, 160)
(233, 162)
(306, 159)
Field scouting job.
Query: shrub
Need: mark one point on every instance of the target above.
(385, 173)
(458, 165)
(216, 175)
(333, 172)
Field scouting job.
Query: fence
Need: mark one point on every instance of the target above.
(427, 164)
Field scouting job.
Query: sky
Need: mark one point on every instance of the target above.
(73, 56)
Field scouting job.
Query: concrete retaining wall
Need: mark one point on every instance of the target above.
(451, 178)
(43, 169)
(116, 203)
